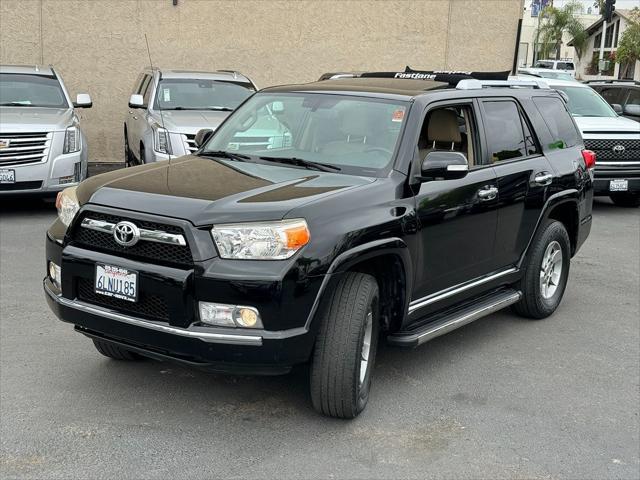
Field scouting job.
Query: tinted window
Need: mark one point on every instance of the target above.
(504, 131)
(146, 89)
(557, 118)
(565, 66)
(31, 91)
(634, 97)
(611, 95)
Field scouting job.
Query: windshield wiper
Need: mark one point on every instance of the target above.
(300, 162)
(16, 104)
(224, 154)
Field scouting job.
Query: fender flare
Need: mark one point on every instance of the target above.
(559, 198)
(347, 259)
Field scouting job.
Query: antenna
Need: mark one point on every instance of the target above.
(159, 106)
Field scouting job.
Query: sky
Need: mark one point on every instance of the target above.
(589, 3)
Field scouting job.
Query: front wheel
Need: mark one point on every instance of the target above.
(546, 272)
(629, 200)
(346, 347)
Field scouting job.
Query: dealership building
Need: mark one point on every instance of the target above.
(98, 46)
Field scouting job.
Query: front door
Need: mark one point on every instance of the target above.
(457, 218)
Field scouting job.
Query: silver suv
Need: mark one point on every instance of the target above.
(42, 148)
(168, 107)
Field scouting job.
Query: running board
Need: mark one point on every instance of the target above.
(486, 306)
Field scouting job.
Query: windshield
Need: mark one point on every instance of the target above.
(356, 134)
(543, 64)
(199, 94)
(585, 102)
(20, 90)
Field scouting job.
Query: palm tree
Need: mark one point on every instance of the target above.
(555, 22)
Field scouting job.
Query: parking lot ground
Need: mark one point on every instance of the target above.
(500, 398)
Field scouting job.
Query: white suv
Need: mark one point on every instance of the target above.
(42, 148)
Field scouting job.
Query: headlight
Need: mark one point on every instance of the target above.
(161, 140)
(261, 241)
(71, 140)
(67, 205)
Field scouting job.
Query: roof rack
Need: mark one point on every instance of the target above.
(473, 84)
(452, 77)
(234, 72)
(633, 82)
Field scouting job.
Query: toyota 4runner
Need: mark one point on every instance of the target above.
(405, 206)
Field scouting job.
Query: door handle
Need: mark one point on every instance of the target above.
(543, 179)
(487, 193)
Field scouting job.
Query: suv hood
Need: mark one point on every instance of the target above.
(34, 119)
(592, 125)
(189, 121)
(206, 191)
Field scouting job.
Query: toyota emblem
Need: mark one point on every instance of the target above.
(618, 149)
(126, 234)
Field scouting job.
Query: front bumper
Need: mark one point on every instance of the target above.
(220, 349)
(605, 173)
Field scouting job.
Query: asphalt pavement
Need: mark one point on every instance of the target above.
(502, 397)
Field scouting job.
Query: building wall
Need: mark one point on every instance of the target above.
(98, 46)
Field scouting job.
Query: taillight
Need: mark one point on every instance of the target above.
(589, 158)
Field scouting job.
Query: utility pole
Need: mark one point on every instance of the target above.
(609, 8)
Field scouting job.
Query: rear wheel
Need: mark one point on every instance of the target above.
(546, 272)
(346, 347)
(114, 351)
(629, 200)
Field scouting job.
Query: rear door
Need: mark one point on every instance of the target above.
(523, 175)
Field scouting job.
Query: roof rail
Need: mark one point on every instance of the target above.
(633, 82)
(234, 72)
(473, 84)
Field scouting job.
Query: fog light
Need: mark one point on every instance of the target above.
(55, 274)
(223, 315)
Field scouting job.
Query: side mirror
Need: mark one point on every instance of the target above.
(632, 109)
(444, 165)
(83, 100)
(202, 136)
(617, 108)
(136, 101)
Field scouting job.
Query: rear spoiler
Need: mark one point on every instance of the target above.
(452, 77)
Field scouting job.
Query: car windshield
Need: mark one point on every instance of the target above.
(24, 90)
(356, 134)
(200, 94)
(543, 64)
(585, 102)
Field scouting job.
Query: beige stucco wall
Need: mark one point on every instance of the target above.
(98, 45)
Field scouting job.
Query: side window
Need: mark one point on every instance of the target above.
(146, 89)
(559, 121)
(611, 95)
(505, 133)
(634, 97)
(450, 128)
(138, 84)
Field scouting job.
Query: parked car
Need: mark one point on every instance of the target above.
(622, 95)
(544, 73)
(614, 139)
(406, 208)
(564, 65)
(42, 147)
(168, 107)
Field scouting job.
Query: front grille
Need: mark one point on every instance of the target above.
(604, 149)
(161, 253)
(9, 187)
(24, 148)
(152, 307)
(189, 140)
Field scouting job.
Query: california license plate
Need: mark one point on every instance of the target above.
(7, 176)
(618, 185)
(116, 282)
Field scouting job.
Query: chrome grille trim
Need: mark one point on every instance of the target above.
(189, 141)
(145, 234)
(25, 147)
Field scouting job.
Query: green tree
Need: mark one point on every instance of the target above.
(554, 22)
(629, 45)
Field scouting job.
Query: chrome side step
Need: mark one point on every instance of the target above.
(450, 322)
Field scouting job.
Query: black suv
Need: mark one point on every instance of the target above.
(394, 207)
(622, 95)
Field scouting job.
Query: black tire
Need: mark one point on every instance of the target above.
(114, 351)
(628, 200)
(129, 160)
(336, 389)
(533, 304)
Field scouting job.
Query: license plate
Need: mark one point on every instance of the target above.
(116, 282)
(7, 176)
(618, 185)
